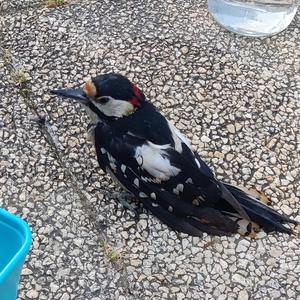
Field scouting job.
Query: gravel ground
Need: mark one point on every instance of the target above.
(236, 98)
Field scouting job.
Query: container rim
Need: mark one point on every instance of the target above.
(21, 226)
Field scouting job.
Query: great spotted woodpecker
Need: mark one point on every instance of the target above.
(152, 160)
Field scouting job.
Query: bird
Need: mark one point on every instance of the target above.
(155, 163)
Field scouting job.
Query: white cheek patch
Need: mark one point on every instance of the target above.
(115, 108)
(154, 159)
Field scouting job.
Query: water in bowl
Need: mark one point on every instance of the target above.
(254, 18)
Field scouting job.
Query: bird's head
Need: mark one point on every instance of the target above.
(107, 96)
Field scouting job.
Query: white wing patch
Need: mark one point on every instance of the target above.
(178, 189)
(178, 138)
(136, 182)
(123, 168)
(112, 162)
(142, 195)
(189, 180)
(154, 159)
(153, 196)
(148, 179)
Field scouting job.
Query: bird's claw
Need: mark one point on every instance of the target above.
(136, 210)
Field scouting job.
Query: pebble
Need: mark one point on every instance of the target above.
(243, 295)
(32, 294)
(65, 296)
(184, 50)
(237, 278)
(142, 224)
(276, 252)
(231, 128)
(136, 262)
(242, 246)
(26, 271)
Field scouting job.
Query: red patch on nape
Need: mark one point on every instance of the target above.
(138, 96)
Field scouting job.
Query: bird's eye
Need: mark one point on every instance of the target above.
(102, 100)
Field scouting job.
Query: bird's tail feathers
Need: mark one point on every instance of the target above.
(258, 212)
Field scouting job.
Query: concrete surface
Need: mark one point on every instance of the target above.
(236, 98)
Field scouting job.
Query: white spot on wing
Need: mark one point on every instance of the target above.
(110, 158)
(189, 180)
(136, 182)
(196, 202)
(139, 160)
(153, 196)
(142, 195)
(113, 166)
(123, 168)
(154, 204)
(170, 208)
(103, 151)
(198, 163)
(110, 172)
(155, 160)
(148, 179)
(180, 187)
(112, 162)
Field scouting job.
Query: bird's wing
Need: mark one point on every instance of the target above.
(162, 178)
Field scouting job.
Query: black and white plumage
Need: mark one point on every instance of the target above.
(151, 159)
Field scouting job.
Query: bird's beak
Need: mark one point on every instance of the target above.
(76, 94)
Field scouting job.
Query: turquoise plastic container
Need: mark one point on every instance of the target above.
(15, 241)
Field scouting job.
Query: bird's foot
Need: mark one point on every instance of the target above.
(127, 199)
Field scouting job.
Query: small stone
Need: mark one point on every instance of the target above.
(276, 252)
(177, 78)
(231, 128)
(238, 126)
(184, 50)
(217, 86)
(65, 296)
(271, 261)
(135, 262)
(242, 246)
(229, 157)
(53, 287)
(239, 279)
(287, 210)
(142, 224)
(22, 196)
(243, 295)
(26, 271)
(32, 294)
(180, 296)
(129, 224)
(200, 97)
(164, 289)
(205, 139)
(175, 289)
(124, 234)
